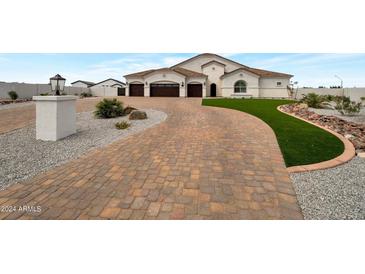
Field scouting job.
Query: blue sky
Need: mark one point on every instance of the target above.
(309, 69)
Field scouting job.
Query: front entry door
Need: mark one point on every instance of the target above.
(213, 90)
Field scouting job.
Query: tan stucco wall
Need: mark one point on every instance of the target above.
(196, 64)
(270, 89)
(214, 72)
(160, 77)
(251, 80)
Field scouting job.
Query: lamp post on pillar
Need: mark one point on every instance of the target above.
(57, 84)
(55, 114)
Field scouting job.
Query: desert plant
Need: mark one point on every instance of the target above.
(85, 94)
(314, 100)
(109, 108)
(122, 125)
(347, 107)
(13, 95)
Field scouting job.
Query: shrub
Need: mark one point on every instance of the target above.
(85, 94)
(314, 100)
(109, 108)
(13, 95)
(44, 94)
(346, 107)
(122, 125)
(362, 98)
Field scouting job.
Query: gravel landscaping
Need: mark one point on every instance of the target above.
(22, 156)
(336, 193)
(16, 105)
(359, 118)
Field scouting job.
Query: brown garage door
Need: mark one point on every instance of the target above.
(136, 90)
(164, 90)
(195, 90)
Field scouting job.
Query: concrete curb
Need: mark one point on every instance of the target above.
(346, 156)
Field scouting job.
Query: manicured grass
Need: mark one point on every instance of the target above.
(301, 143)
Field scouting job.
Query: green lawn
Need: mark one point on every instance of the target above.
(301, 143)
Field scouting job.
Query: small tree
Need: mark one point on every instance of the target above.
(346, 107)
(13, 95)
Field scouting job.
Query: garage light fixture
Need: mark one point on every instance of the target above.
(57, 84)
(146, 84)
(182, 84)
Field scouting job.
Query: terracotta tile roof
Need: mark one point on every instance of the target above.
(185, 72)
(258, 72)
(140, 73)
(268, 73)
(188, 73)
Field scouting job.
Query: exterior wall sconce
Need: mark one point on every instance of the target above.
(182, 84)
(126, 83)
(146, 84)
(204, 83)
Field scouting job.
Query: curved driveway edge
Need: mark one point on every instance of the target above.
(201, 163)
(347, 155)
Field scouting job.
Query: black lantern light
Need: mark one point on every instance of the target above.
(182, 84)
(57, 84)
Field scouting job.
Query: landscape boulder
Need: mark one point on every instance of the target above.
(128, 110)
(137, 115)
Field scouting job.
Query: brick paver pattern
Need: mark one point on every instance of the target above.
(201, 163)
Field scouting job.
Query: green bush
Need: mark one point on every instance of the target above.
(122, 125)
(44, 94)
(109, 108)
(13, 95)
(346, 107)
(314, 100)
(85, 94)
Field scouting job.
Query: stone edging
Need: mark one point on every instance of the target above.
(346, 156)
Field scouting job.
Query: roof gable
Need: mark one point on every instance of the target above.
(223, 60)
(239, 70)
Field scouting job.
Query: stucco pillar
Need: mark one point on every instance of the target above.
(127, 90)
(147, 91)
(182, 91)
(204, 90)
(55, 117)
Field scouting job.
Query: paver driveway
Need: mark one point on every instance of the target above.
(201, 163)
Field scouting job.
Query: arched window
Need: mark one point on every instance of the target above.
(240, 87)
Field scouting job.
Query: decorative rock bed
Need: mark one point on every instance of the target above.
(22, 156)
(354, 132)
(9, 101)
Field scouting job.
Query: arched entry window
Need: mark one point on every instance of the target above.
(240, 87)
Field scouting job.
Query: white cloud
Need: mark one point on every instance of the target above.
(170, 61)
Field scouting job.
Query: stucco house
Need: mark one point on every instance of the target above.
(110, 83)
(208, 75)
(82, 84)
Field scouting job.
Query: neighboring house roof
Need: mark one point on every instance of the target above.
(116, 85)
(185, 72)
(110, 79)
(85, 82)
(260, 72)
